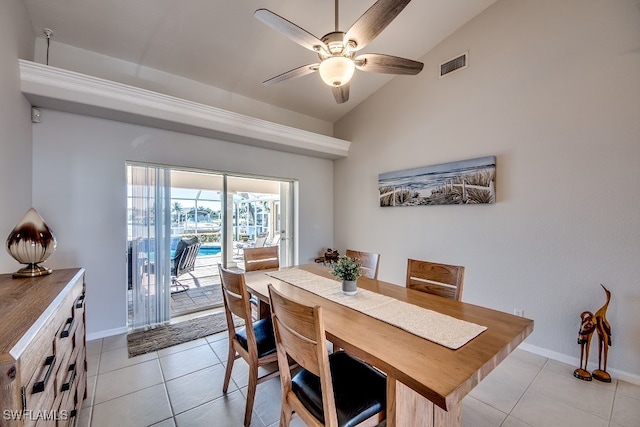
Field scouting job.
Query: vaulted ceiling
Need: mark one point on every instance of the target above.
(221, 43)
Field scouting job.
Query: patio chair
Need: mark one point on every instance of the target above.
(183, 261)
(275, 241)
(261, 240)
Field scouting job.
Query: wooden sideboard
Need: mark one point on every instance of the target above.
(43, 368)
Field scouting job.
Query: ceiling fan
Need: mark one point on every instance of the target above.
(337, 50)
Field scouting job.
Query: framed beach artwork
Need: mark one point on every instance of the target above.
(457, 183)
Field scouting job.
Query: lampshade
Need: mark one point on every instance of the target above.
(336, 70)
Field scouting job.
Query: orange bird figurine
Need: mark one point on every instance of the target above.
(603, 328)
(587, 327)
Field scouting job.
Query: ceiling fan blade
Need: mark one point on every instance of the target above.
(379, 63)
(289, 29)
(296, 72)
(341, 93)
(374, 20)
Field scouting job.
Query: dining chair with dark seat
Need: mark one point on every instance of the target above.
(263, 258)
(439, 279)
(370, 262)
(331, 389)
(254, 342)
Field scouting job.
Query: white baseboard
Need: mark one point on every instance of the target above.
(107, 333)
(560, 357)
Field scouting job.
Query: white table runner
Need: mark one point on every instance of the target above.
(433, 326)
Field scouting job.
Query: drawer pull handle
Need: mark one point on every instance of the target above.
(39, 386)
(80, 301)
(67, 328)
(66, 386)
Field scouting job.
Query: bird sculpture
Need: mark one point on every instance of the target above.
(603, 328)
(587, 327)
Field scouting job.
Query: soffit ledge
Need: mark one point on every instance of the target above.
(50, 87)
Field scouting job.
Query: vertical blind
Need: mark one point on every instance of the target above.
(149, 189)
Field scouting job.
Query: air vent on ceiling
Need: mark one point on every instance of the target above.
(455, 64)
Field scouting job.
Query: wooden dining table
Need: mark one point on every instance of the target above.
(425, 381)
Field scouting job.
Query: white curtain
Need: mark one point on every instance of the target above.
(149, 195)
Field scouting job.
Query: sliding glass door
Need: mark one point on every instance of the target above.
(258, 215)
(226, 213)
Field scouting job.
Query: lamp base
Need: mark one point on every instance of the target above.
(32, 270)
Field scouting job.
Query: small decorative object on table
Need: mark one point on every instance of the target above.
(31, 242)
(329, 257)
(348, 270)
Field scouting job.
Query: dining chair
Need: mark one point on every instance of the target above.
(254, 342)
(262, 258)
(370, 262)
(330, 389)
(440, 279)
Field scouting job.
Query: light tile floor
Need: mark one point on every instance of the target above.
(182, 386)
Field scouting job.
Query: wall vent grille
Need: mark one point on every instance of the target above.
(455, 64)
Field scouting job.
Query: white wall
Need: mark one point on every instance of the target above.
(79, 187)
(16, 41)
(553, 90)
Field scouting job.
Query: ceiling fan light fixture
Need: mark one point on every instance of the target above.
(336, 71)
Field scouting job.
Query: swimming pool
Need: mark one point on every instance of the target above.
(209, 250)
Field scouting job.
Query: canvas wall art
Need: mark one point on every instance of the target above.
(456, 183)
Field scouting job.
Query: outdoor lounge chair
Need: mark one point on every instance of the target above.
(183, 262)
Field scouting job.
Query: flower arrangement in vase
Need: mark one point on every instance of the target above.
(348, 270)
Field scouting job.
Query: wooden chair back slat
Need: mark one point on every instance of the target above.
(236, 298)
(296, 330)
(444, 280)
(370, 262)
(263, 258)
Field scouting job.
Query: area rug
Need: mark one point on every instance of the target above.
(142, 342)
